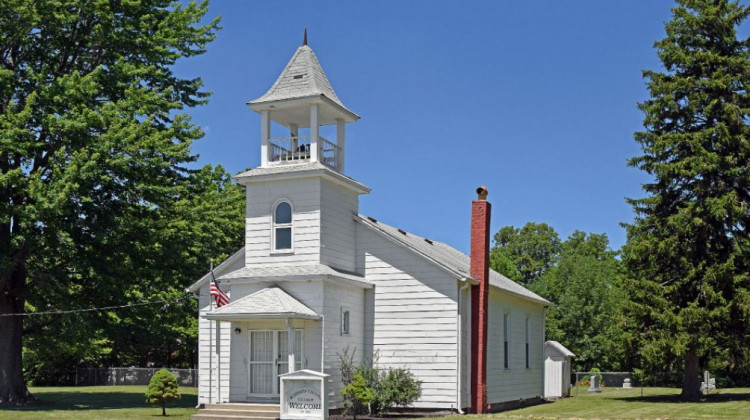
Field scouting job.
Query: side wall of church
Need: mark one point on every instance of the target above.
(517, 381)
(413, 316)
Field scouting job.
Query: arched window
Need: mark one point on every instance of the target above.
(282, 226)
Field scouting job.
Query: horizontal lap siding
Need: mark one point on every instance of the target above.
(517, 382)
(304, 195)
(353, 299)
(338, 207)
(213, 375)
(414, 317)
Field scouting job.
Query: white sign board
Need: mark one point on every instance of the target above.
(304, 395)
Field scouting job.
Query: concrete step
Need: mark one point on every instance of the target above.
(242, 406)
(254, 413)
(238, 412)
(226, 417)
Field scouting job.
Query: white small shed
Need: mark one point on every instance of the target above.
(557, 362)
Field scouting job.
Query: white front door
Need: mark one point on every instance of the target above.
(268, 358)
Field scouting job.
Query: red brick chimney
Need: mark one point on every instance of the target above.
(480, 270)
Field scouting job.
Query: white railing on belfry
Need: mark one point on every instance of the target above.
(297, 149)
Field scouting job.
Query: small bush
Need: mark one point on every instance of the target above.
(397, 388)
(162, 389)
(391, 388)
(358, 395)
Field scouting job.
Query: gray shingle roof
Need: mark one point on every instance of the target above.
(271, 302)
(288, 170)
(271, 273)
(301, 78)
(450, 258)
(560, 348)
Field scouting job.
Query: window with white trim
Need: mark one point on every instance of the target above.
(282, 227)
(506, 341)
(528, 361)
(345, 321)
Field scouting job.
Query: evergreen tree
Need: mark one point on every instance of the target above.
(94, 143)
(688, 249)
(162, 389)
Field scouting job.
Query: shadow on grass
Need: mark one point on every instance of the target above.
(712, 398)
(48, 401)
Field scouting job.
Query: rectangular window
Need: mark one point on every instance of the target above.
(344, 321)
(528, 361)
(284, 238)
(506, 341)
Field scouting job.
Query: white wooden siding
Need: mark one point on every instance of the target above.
(213, 360)
(338, 238)
(517, 381)
(336, 296)
(304, 195)
(414, 312)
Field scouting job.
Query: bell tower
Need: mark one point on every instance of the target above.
(300, 205)
(302, 99)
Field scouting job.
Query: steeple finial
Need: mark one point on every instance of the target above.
(304, 40)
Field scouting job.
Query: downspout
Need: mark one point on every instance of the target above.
(459, 333)
(544, 361)
(322, 343)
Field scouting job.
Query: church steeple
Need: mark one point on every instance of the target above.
(302, 98)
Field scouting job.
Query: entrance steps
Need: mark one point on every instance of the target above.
(238, 412)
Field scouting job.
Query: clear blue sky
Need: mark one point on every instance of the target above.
(534, 99)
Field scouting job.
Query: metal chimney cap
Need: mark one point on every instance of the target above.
(482, 193)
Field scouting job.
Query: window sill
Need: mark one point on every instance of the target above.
(282, 251)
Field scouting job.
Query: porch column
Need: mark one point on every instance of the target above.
(314, 132)
(265, 136)
(341, 143)
(290, 344)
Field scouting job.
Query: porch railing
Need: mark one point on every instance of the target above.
(297, 149)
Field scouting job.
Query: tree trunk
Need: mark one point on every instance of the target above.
(13, 389)
(164, 409)
(691, 383)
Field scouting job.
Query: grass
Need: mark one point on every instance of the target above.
(617, 403)
(99, 402)
(128, 402)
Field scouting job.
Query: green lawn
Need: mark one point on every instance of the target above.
(99, 402)
(128, 402)
(616, 403)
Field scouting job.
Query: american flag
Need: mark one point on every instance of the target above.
(218, 294)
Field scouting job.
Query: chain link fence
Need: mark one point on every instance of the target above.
(582, 380)
(130, 376)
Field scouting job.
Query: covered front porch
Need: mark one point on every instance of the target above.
(270, 331)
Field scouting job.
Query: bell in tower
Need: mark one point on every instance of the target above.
(302, 98)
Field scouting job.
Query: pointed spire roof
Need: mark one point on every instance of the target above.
(303, 77)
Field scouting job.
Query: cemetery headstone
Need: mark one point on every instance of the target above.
(626, 383)
(594, 384)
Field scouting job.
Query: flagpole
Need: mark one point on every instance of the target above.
(210, 344)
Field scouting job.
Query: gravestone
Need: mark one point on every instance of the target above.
(626, 383)
(709, 383)
(594, 384)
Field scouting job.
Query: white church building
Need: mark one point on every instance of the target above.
(316, 277)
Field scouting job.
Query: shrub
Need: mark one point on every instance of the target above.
(397, 388)
(358, 395)
(162, 389)
(390, 388)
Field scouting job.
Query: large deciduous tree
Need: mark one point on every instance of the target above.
(585, 285)
(93, 147)
(532, 249)
(688, 249)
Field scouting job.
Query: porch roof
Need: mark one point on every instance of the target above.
(269, 303)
